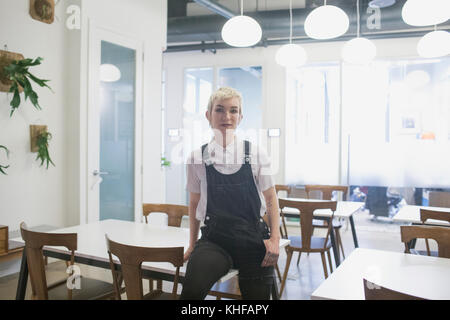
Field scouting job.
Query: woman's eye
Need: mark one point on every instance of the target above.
(234, 111)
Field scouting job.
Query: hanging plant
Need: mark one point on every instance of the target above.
(165, 162)
(42, 143)
(17, 72)
(2, 168)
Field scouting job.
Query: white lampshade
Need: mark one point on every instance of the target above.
(425, 12)
(241, 31)
(359, 51)
(326, 22)
(434, 44)
(381, 3)
(291, 55)
(109, 73)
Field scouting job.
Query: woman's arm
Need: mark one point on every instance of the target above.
(194, 224)
(272, 244)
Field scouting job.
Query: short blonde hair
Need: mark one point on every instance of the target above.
(223, 94)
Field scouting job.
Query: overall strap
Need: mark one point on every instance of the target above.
(203, 153)
(247, 152)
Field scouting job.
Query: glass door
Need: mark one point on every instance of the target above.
(114, 128)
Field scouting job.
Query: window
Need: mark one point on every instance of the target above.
(387, 124)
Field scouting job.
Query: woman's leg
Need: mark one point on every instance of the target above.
(207, 264)
(256, 282)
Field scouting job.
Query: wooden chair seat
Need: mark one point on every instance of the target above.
(228, 289)
(320, 224)
(90, 289)
(317, 243)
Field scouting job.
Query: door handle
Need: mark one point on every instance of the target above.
(99, 173)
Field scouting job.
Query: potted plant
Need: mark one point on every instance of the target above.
(18, 75)
(42, 144)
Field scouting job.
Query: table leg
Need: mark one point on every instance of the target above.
(337, 259)
(355, 239)
(23, 278)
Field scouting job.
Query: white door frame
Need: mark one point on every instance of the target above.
(96, 34)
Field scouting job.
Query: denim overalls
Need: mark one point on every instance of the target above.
(232, 236)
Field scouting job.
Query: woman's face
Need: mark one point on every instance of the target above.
(225, 115)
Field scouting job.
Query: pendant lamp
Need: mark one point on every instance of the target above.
(434, 44)
(109, 73)
(326, 22)
(421, 13)
(359, 50)
(241, 31)
(291, 55)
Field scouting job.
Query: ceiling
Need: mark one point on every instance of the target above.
(194, 26)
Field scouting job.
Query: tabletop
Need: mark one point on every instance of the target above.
(92, 243)
(344, 209)
(420, 276)
(411, 214)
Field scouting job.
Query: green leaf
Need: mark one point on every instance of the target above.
(3, 167)
(15, 102)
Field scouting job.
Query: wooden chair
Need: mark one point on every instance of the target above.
(439, 199)
(131, 259)
(440, 234)
(327, 194)
(175, 214)
(306, 242)
(283, 228)
(373, 291)
(426, 214)
(87, 288)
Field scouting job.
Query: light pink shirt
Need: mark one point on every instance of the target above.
(227, 161)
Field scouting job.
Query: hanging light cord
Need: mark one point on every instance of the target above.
(358, 27)
(242, 8)
(290, 21)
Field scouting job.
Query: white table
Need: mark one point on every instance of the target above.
(344, 209)
(411, 214)
(92, 247)
(420, 276)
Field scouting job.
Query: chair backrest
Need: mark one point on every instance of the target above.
(34, 241)
(174, 212)
(439, 199)
(374, 291)
(282, 187)
(327, 190)
(131, 259)
(306, 209)
(440, 234)
(426, 214)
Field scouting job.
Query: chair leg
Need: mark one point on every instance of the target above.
(286, 269)
(278, 272)
(329, 261)
(299, 255)
(150, 285)
(339, 242)
(324, 263)
(428, 247)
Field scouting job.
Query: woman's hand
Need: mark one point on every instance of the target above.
(272, 252)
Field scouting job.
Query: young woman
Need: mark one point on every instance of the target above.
(230, 190)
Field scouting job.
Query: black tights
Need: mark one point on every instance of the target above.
(209, 262)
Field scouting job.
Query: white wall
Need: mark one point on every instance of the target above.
(274, 82)
(31, 193)
(55, 196)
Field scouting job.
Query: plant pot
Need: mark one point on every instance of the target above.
(6, 58)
